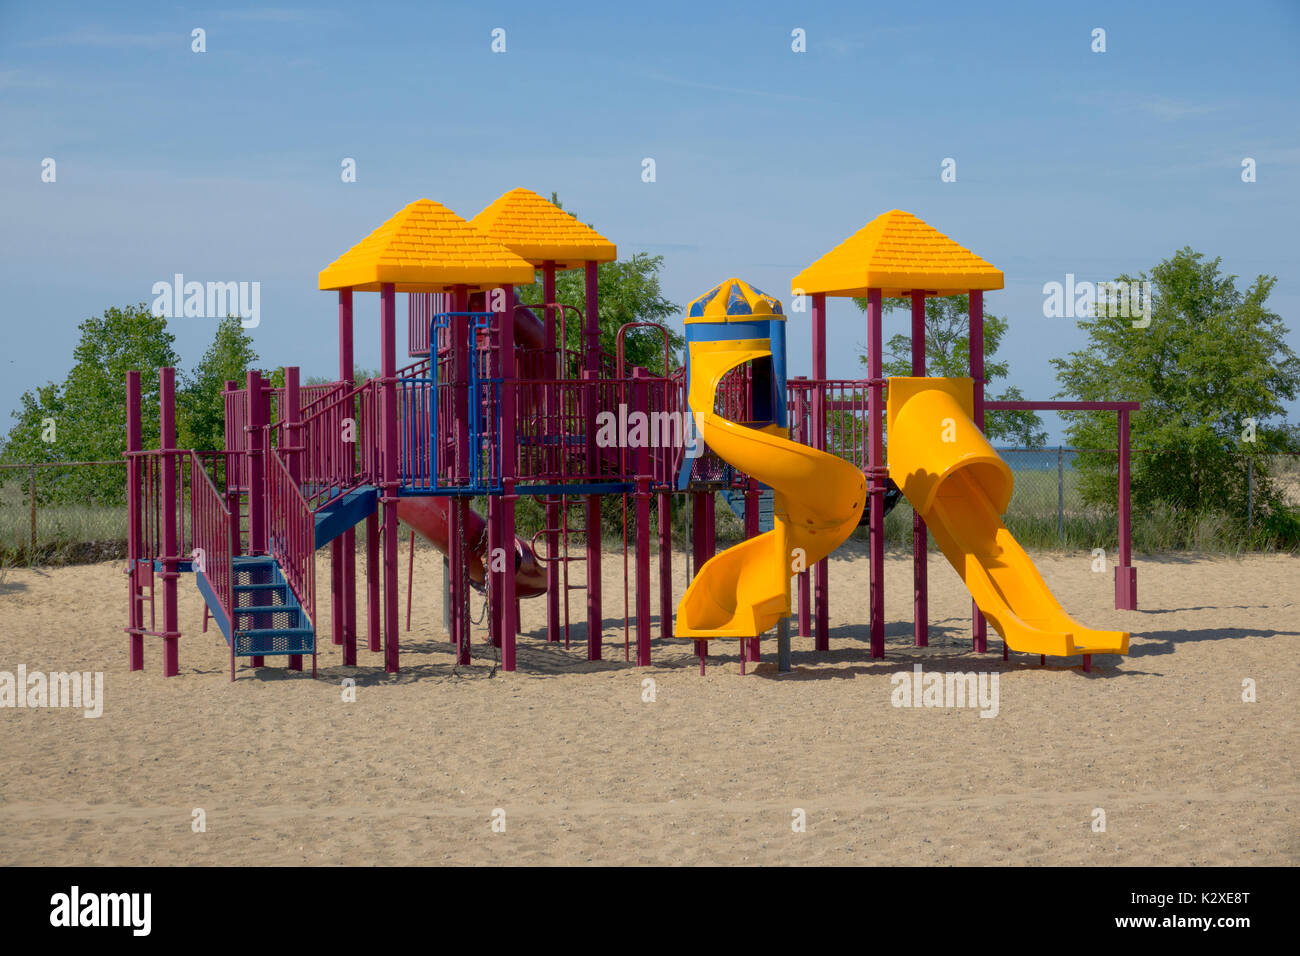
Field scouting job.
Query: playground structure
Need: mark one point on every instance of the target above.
(501, 404)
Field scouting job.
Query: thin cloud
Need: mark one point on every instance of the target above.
(272, 15)
(107, 39)
(14, 80)
(665, 246)
(850, 43)
(712, 87)
(1152, 104)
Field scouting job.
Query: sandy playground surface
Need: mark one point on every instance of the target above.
(709, 773)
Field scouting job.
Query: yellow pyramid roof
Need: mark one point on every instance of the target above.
(897, 253)
(538, 230)
(426, 248)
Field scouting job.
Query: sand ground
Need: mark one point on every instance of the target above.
(710, 772)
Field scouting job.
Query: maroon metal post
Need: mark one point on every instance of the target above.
(821, 571)
(554, 587)
(591, 363)
(591, 352)
(752, 494)
(920, 547)
(1125, 573)
(666, 564)
(875, 472)
(410, 580)
(701, 547)
(492, 569)
(550, 353)
(233, 442)
(293, 462)
(491, 575)
(595, 612)
(509, 607)
(347, 375)
(640, 401)
(595, 621)
(373, 602)
(134, 527)
(979, 627)
(749, 647)
(170, 542)
(336, 591)
(464, 355)
(710, 525)
(255, 450)
(389, 486)
(805, 579)
(455, 516)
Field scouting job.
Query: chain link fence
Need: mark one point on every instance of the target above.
(70, 512)
(1048, 508)
(75, 512)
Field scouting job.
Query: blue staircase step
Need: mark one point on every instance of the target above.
(269, 642)
(260, 593)
(267, 618)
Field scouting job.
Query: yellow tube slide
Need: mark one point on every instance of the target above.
(818, 499)
(961, 486)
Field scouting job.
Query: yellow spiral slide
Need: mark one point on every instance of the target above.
(961, 486)
(818, 499)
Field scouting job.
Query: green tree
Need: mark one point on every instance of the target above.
(629, 291)
(87, 411)
(1212, 360)
(947, 355)
(202, 410)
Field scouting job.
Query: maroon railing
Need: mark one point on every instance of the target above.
(236, 425)
(212, 529)
(196, 473)
(292, 536)
(151, 500)
(421, 308)
(418, 369)
(845, 404)
(555, 426)
(668, 425)
(310, 399)
(331, 464)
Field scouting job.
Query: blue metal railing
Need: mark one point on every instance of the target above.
(483, 403)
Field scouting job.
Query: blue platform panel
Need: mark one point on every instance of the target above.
(345, 512)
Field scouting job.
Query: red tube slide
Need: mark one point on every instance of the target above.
(428, 517)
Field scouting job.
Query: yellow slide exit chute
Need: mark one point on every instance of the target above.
(961, 486)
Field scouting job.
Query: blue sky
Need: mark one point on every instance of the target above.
(225, 165)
